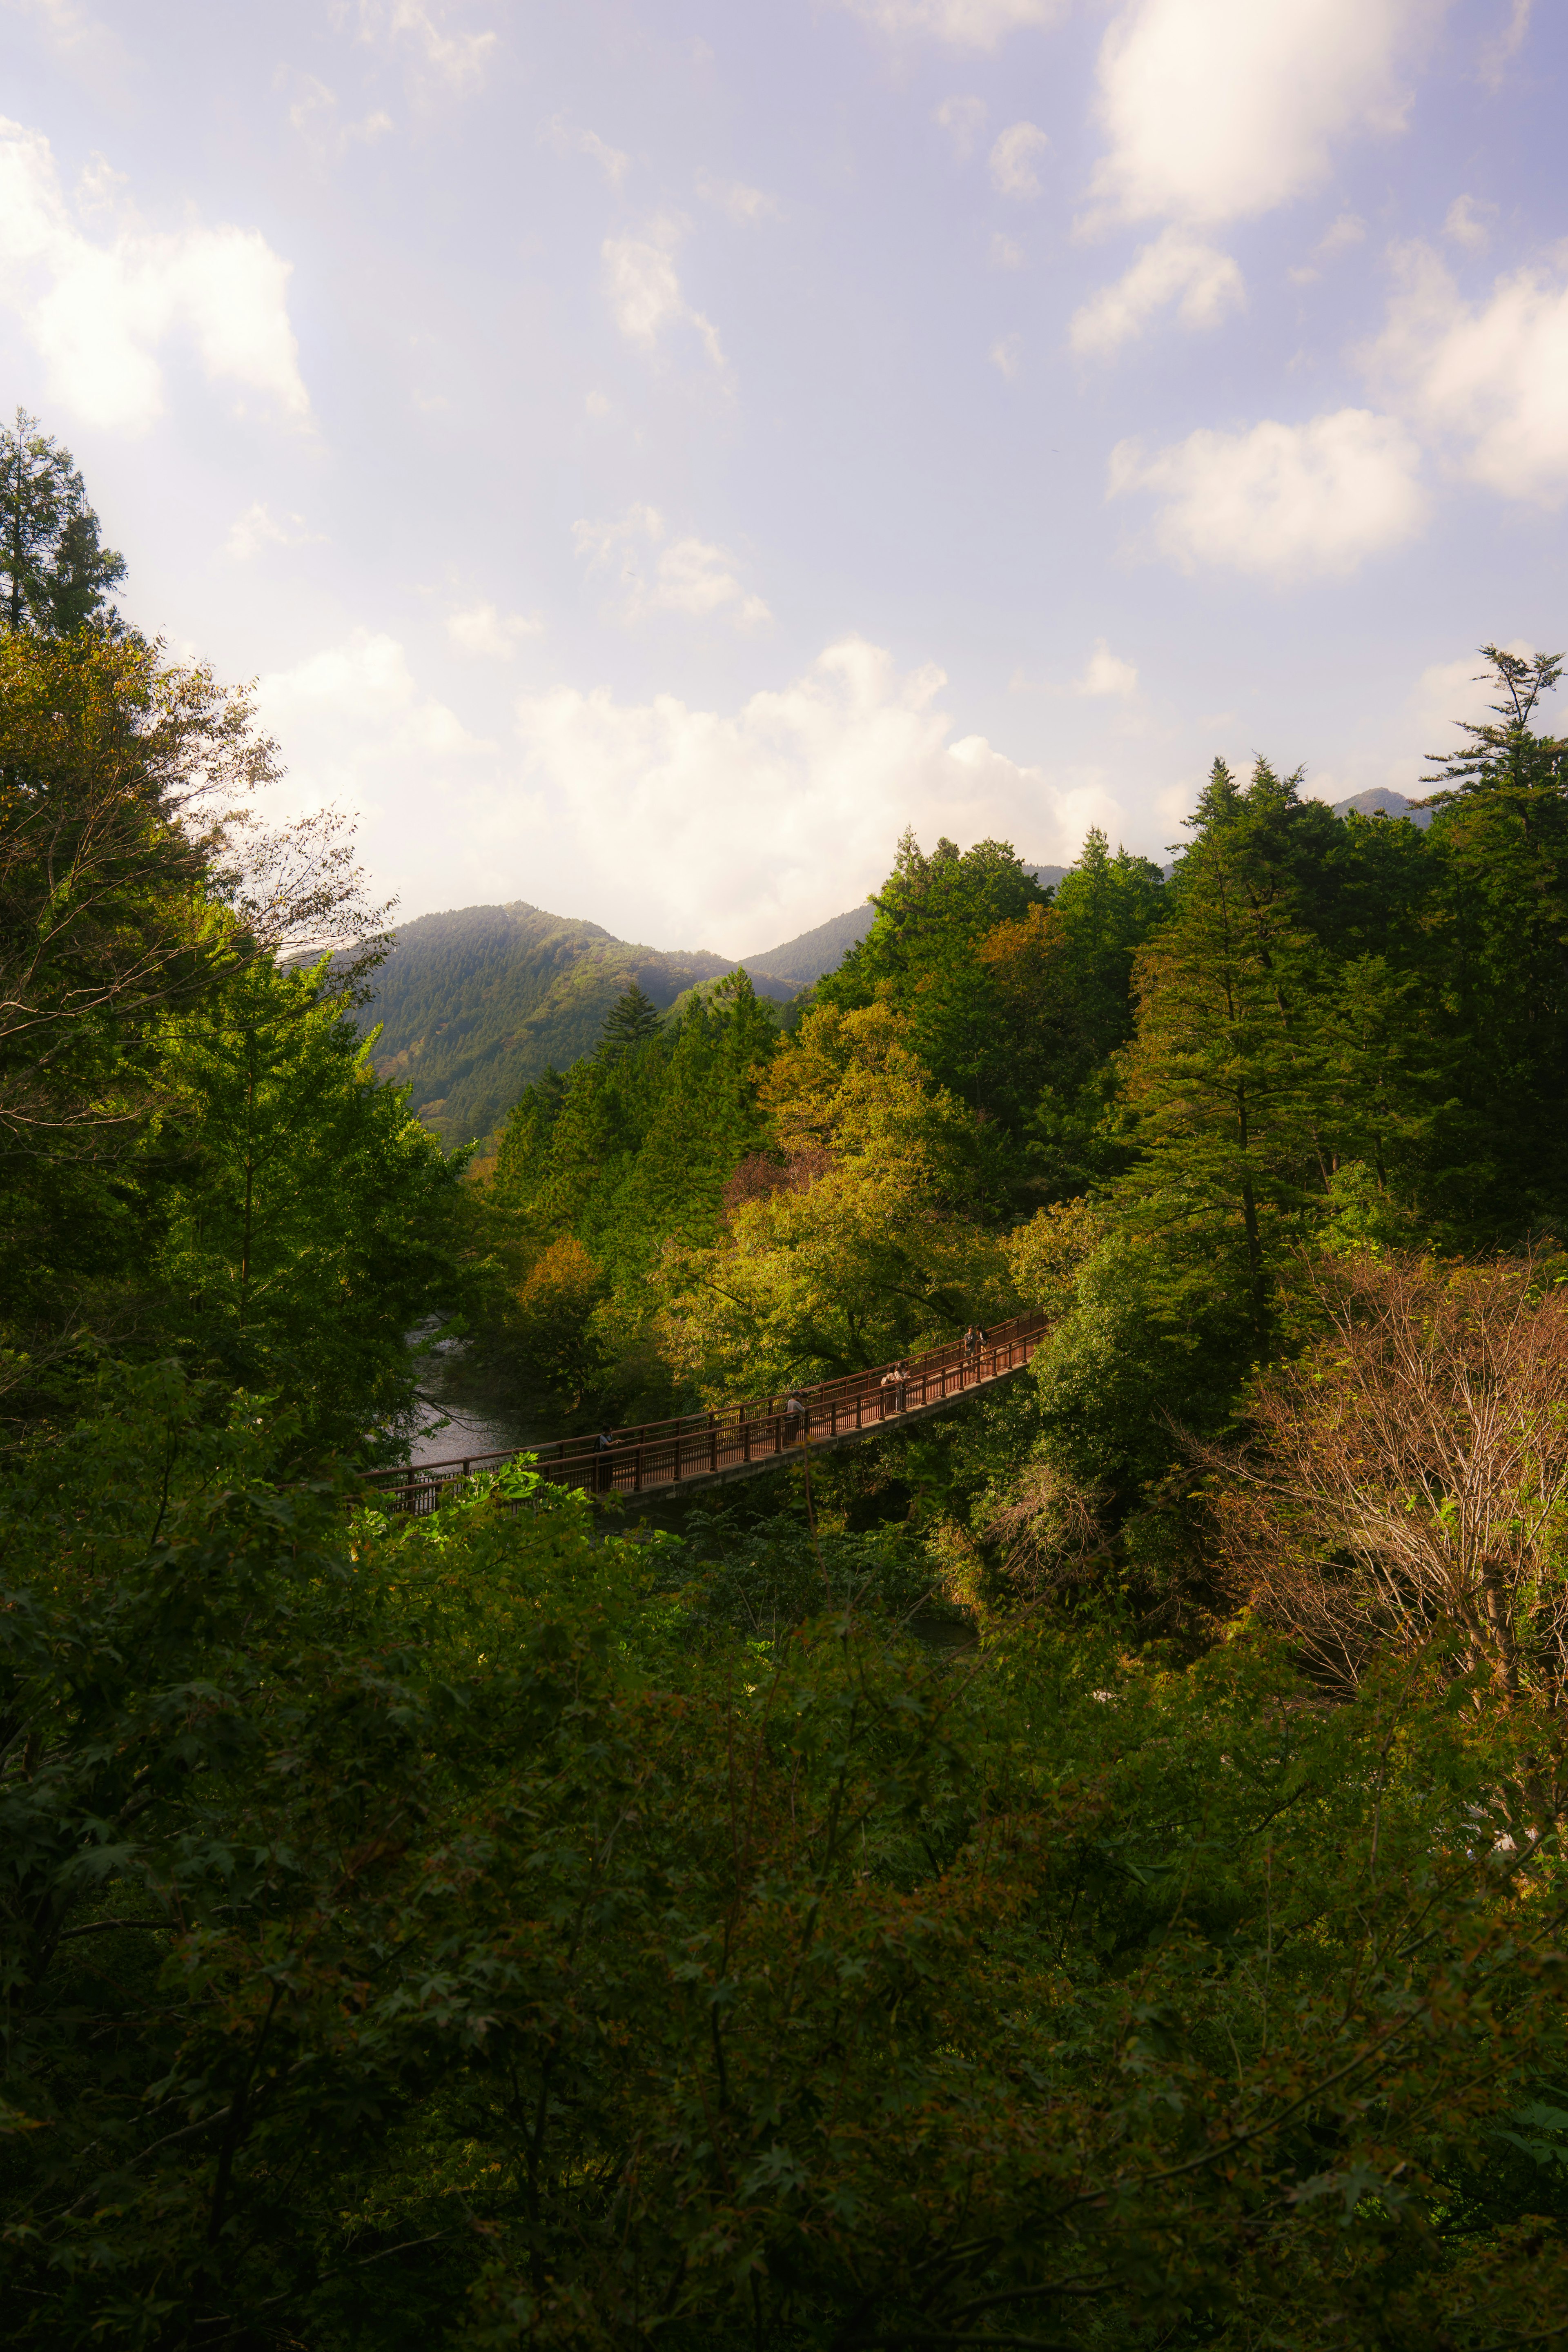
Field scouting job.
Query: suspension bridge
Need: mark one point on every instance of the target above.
(697, 1450)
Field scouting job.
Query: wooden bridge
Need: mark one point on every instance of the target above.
(709, 1449)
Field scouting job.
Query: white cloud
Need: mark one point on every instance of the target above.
(313, 114)
(645, 289)
(257, 528)
(1489, 379)
(354, 727)
(1104, 673)
(567, 138)
(1282, 501)
(98, 310)
(964, 120)
(1499, 54)
(1467, 222)
(596, 403)
(982, 24)
(1006, 253)
(710, 823)
(1203, 283)
(1013, 159)
(1338, 237)
(690, 575)
(480, 629)
(1007, 354)
(458, 58)
(743, 204)
(1216, 110)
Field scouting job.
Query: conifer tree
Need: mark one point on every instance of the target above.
(630, 1021)
(54, 567)
(1225, 1075)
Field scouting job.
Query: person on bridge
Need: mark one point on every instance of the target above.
(973, 1340)
(795, 1417)
(603, 1468)
(900, 1385)
(889, 1387)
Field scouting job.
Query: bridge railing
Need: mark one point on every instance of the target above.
(652, 1455)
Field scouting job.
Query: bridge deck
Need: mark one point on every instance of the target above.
(707, 1449)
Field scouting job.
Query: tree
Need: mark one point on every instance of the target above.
(1224, 1076)
(1503, 750)
(55, 570)
(1410, 1471)
(630, 1021)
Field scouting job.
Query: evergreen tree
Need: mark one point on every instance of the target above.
(630, 1021)
(54, 568)
(1225, 1075)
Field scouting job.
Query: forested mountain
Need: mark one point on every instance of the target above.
(1085, 1872)
(473, 1005)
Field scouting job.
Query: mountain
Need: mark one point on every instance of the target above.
(1378, 800)
(472, 1005)
(805, 960)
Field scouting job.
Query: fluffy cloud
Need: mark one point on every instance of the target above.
(964, 120)
(981, 25)
(313, 114)
(1007, 354)
(742, 203)
(1469, 223)
(1489, 380)
(1013, 159)
(1178, 267)
(353, 722)
(480, 629)
(1105, 673)
(644, 288)
(98, 309)
(688, 576)
(1282, 501)
(567, 138)
(257, 528)
(1215, 110)
(659, 814)
(458, 58)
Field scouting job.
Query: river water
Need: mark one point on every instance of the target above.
(457, 1414)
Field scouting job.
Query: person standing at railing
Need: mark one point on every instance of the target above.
(604, 1469)
(900, 1385)
(890, 1388)
(794, 1418)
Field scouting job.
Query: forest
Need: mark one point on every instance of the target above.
(1083, 1873)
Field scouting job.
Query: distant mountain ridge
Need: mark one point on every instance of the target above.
(475, 1003)
(1378, 800)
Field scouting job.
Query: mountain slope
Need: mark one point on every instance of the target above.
(1379, 801)
(473, 1004)
(805, 960)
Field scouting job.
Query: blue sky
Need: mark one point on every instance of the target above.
(649, 455)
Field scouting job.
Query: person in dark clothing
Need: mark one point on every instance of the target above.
(603, 1468)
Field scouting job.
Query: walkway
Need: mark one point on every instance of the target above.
(709, 1449)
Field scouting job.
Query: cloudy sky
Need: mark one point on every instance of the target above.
(651, 451)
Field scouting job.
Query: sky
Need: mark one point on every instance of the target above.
(649, 453)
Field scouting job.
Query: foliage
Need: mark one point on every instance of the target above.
(433, 1938)
(1409, 1471)
(878, 1253)
(52, 561)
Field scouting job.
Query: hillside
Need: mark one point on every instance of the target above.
(1379, 801)
(473, 1004)
(805, 959)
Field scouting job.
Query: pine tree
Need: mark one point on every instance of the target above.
(630, 1021)
(1224, 1076)
(54, 567)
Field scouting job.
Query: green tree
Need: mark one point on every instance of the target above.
(310, 1219)
(1225, 1075)
(54, 568)
(630, 1021)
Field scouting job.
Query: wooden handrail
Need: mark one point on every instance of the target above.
(649, 1455)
